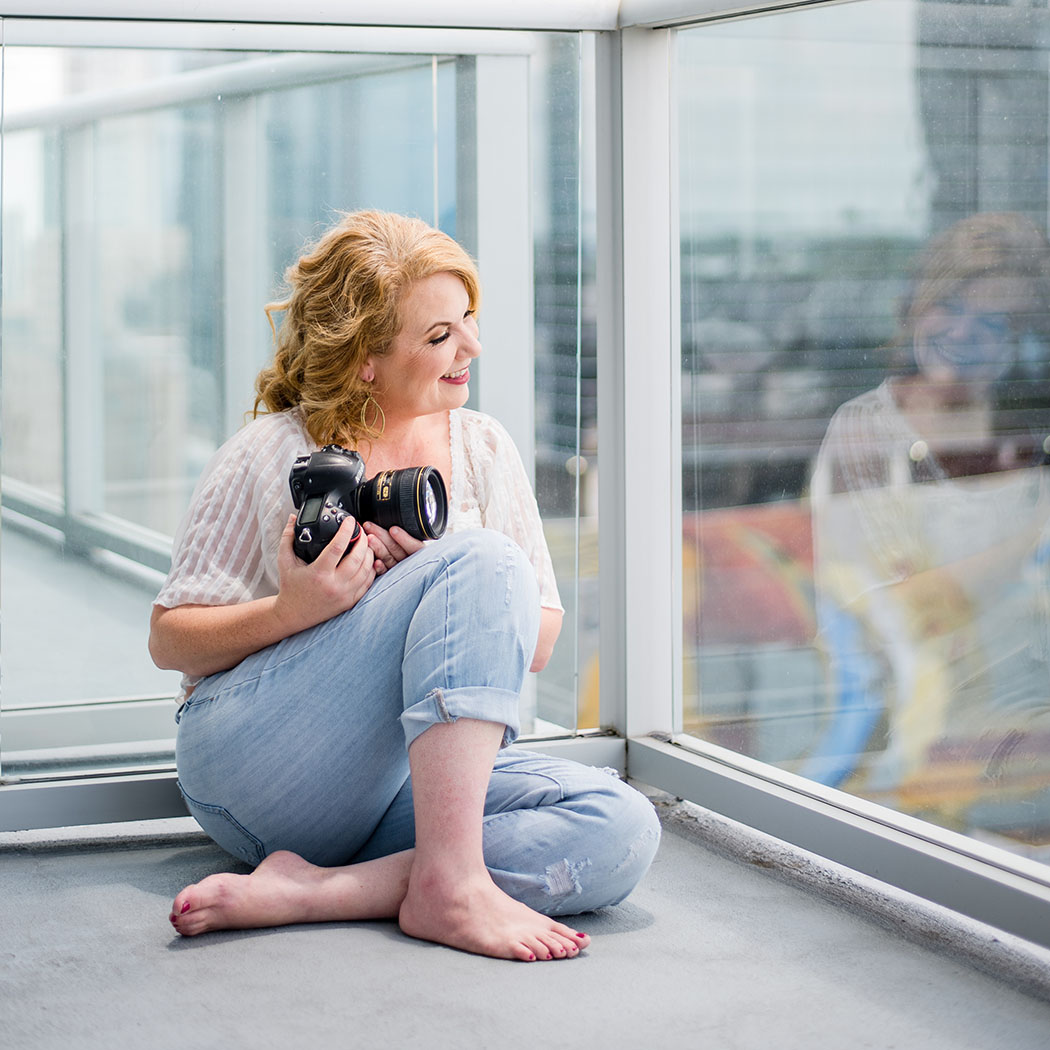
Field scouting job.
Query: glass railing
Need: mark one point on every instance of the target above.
(866, 404)
(152, 198)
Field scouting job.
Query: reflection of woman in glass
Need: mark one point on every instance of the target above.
(930, 511)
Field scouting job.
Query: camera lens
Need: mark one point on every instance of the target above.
(430, 506)
(434, 502)
(413, 499)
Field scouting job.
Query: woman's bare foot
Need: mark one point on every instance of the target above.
(285, 889)
(278, 892)
(476, 915)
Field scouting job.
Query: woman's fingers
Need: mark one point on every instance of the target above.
(334, 582)
(344, 567)
(339, 544)
(381, 546)
(408, 543)
(390, 546)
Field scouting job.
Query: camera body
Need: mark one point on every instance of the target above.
(324, 487)
(328, 486)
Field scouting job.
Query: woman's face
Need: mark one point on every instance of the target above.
(971, 336)
(428, 365)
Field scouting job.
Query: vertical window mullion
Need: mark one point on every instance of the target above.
(82, 351)
(651, 412)
(246, 336)
(504, 245)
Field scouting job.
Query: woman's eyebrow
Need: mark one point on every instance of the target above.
(426, 334)
(436, 325)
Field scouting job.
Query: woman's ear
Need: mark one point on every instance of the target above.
(368, 373)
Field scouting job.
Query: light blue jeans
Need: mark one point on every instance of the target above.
(304, 745)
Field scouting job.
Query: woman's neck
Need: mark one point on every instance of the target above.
(409, 442)
(946, 414)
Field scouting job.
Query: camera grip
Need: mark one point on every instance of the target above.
(316, 526)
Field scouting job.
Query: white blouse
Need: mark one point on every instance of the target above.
(225, 548)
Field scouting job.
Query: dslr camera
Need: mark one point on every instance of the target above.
(329, 485)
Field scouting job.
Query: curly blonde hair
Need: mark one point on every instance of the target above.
(344, 306)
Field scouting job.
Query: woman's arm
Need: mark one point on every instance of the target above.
(550, 628)
(200, 640)
(203, 639)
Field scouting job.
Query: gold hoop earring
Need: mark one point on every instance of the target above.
(378, 424)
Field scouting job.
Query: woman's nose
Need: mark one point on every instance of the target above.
(964, 329)
(472, 342)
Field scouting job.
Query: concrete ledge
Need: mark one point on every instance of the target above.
(1018, 962)
(126, 835)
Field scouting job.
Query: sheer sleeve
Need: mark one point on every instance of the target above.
(498, 479)
(866, 531)
(225, 550)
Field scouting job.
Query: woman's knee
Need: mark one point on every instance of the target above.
(492, 589)
(473, 634)
(492, 564)
(614, 858)
(470, 576)
(637, 836)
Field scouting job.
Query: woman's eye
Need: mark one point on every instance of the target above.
(440, 339)
(996, 325)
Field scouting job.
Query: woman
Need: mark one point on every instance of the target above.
(345, 722)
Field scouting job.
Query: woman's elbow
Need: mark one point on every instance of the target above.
(540, 659)
(550, 628)
(160, 646)
(158, 654)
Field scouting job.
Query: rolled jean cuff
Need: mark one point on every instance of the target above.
(448, 705)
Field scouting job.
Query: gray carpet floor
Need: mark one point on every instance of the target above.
(731, 942)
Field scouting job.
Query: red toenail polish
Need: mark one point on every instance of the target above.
(185, 907)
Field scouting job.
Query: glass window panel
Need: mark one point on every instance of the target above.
(566, 402)
(148, 215)
(32, 326)
(155, 258)
(865, 403)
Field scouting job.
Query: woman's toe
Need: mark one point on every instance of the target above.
(554, 945)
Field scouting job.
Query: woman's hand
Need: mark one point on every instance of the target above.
(202, 639)
(313, 592)
(389, 547)
(936, 603)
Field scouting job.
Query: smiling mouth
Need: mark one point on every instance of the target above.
(456, 375)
